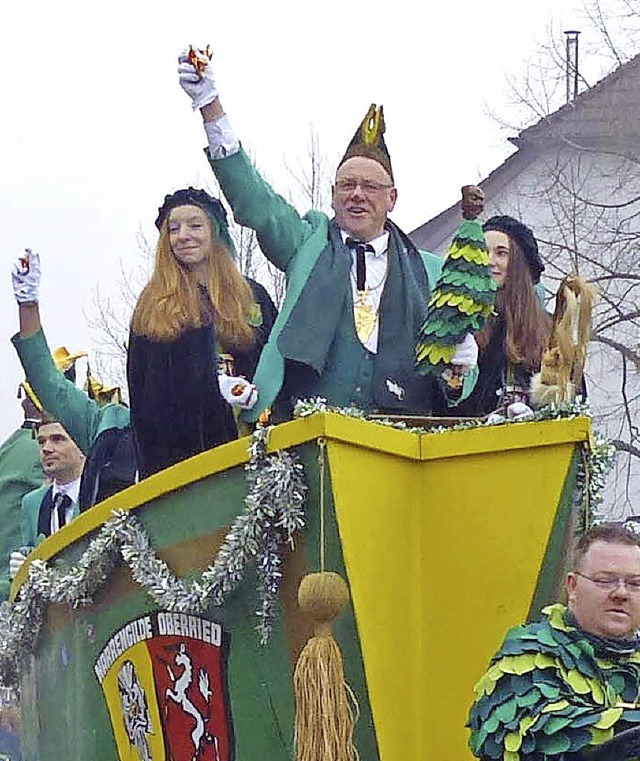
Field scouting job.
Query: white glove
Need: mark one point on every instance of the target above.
(466, 352)
(16, 559)
(200, 88)
(25, 277)
(238, 392)
(519, 411)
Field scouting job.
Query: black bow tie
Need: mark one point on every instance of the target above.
(361, 269)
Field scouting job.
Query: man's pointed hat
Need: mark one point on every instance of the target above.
(369, 140)
(100, 392)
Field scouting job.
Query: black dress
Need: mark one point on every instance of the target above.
(496, 377)
(177, 409)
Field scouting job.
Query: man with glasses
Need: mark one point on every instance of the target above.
(557, 687)
(357, 288)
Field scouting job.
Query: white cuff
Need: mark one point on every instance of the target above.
(222, 139)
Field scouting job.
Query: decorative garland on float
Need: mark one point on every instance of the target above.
(595, 464)
(273, 513)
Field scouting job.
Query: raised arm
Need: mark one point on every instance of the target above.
(280, 228)
(59, 397)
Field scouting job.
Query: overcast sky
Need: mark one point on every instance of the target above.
(95, 128)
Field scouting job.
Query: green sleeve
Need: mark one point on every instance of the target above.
(20, 473)
(79, 415)
(29, 519)
(279, 227)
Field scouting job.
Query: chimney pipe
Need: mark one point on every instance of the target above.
(572, 64)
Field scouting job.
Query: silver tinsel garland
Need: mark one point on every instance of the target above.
(274, 511)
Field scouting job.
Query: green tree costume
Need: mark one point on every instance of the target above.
(553, 690)
(20, 473)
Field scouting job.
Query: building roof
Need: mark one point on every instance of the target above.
(587, 119)
(585, 122)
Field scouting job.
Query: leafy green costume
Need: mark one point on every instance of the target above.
(553, 690)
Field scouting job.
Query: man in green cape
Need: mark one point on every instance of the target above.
(557, 687)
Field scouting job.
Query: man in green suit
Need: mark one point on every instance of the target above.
(357, 288)
(51, 506)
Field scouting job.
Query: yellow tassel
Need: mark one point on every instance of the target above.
(326, 709)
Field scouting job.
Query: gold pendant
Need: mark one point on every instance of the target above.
(364, 316)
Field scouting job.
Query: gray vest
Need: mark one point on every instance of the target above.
(347, 378)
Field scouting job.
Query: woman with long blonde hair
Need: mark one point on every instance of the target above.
(196, 335)
(512, 342)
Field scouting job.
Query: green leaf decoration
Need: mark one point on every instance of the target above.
(550, 692)
(512, 742)
(585, 720)
(578, 683)
(608, 718)
(507, 711)
(542, 661)
(546, 637)
(531, 698)
(461, 302)
(557, 724)
(557, 706)
(597, 692)
(492, 724)
(617, 684)
(554, 745)
(551, 695)
(471, 230)
(555, 615)
(598, 736)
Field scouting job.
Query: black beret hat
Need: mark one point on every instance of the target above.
(193, 197)
(524, 238)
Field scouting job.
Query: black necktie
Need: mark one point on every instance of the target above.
(361, 268)
(60, 504)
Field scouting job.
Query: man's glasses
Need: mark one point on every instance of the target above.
(631, 584)
(367, 186)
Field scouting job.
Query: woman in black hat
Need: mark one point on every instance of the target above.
(512, 343)
(196, 335)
